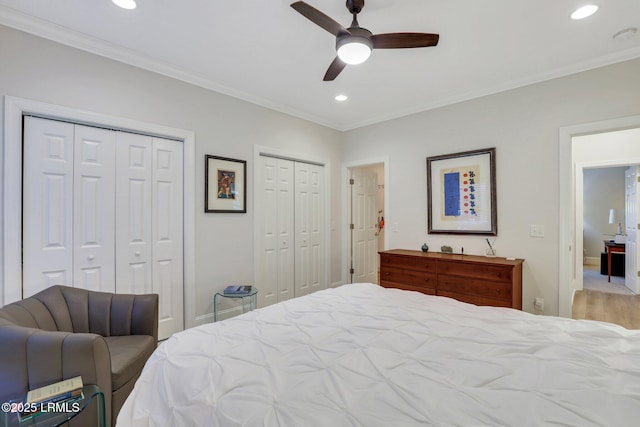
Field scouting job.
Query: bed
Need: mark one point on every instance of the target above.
(362, 355)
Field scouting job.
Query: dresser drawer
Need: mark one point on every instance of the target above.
(476, 287)
(469, 278)
(412, 263)
(473, 299)
(496, 273)
(404, 286)
(408, 277)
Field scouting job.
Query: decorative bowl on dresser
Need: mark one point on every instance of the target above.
(474, 279)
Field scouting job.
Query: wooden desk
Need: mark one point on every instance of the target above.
(612, 247)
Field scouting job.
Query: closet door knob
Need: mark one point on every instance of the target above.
(91, 257)
(137, 253)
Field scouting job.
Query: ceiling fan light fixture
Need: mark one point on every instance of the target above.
(125, 4)
(354, 50)
(354, 44)
(584, 12)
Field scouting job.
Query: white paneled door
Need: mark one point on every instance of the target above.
(167, 229)
(275, 230)
(47, 218)
(364, 230)
(632, 220)
(309, 220)
(289, 229)
(102, 210)
(94, 195)
(133, 230)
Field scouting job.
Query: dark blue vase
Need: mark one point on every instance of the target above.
(425, 248)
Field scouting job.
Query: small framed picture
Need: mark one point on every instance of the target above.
(225, 185)
(461, 193)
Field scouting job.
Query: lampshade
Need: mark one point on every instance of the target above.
(613, 218)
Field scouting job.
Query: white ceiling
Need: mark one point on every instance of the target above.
(263, 51)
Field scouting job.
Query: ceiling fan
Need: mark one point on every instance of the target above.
(354, 44)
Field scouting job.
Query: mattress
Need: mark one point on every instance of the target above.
(362, 355)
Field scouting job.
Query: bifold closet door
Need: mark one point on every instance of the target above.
(94, 209)
(149, 231)
(133, 216)
(275, 263)
(103, 210)
(309, 231)
(167, 234)
(47, 205)
(68, 206)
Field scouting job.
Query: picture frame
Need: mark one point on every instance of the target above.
(461, 193)
(225, 185)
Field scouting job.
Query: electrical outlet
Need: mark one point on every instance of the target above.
(538, 304)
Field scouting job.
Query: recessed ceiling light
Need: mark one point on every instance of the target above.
(584, 11)
(341, 98)
(125, 4)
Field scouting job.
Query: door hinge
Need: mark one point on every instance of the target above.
(352, 181)
(351, 271)
(351, 226)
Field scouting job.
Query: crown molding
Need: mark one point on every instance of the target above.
(66, 36)
(591, 64)
(57, 33)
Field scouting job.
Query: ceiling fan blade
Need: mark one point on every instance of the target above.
(404, 40)
(319, 18)
(334, 69)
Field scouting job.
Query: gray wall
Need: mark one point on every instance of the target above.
(604, 189)
(37, 69)
(523, 124)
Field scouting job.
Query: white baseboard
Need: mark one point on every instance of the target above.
(591, 260)
(205, 318)
(221, 315)
(235, 311)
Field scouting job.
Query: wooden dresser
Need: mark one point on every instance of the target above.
(474, 279)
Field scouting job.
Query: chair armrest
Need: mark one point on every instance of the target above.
(31, 358)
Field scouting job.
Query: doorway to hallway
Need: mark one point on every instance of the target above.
(366, 212)
(581, 147)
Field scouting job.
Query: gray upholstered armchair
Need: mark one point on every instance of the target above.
(62, 332)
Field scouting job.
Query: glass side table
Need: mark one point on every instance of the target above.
(53, 417)
(251, 296)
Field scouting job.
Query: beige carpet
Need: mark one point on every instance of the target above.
(593, 280)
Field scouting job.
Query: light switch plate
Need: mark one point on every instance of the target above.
(537, 230)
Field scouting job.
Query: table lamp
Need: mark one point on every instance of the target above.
(613, 219)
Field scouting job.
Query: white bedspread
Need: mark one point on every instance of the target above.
(361, 355)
